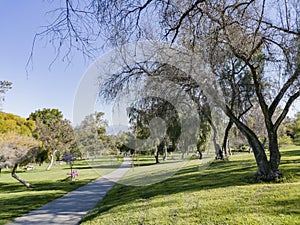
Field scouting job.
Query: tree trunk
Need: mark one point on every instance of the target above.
(273, 147)
(52, 154)
(156, 156)
(274, 152)
(200, 154)
(265, 171)
(225, 139)
(165, 153)
(207, 114)
(14, 175)
(199, 150)
(217, 147)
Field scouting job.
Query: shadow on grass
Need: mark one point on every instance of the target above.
(93, 167)
(287, 206)
(218, 175)
(32, 198)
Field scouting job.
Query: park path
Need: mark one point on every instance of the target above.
(69, 209)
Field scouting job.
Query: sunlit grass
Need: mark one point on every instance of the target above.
(17, 200)
(223, 193)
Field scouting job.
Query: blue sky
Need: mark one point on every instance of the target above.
(43, 87)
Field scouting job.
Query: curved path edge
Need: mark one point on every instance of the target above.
(70, 208)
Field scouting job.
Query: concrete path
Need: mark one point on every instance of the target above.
(70, 208)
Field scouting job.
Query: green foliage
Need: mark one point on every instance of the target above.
(91, 137)
(290, 130)
(124, 141)
(204, 135)
(149, 108)
(295, 129)
(46, 115)
(57, 135)
(285, 140)
(15, 124)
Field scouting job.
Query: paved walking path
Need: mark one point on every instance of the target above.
(69, 209)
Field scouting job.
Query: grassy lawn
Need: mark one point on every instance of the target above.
(222, 193)
(17, 200)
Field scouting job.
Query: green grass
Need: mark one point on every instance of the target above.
(223, 193)
(17, 200)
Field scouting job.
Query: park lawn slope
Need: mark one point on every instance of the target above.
(223, 193)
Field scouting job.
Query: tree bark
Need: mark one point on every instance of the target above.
(14, 175)
(52, 154)
(200, 154)
(217, 147)
(265, 171)
(225, 139)
(274, 152)
(165, 153)
(156, 156)
(207, 114)
(199, 150)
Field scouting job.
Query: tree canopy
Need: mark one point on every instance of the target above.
(10, 123)
(55, 133)
(46, 115)
(91, 137)
(264, 42)
(17, 146)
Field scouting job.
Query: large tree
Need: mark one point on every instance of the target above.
(174, 88)
(265, 41)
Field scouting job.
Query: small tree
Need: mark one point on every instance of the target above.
(91, 135)
(55, 133)
(58, 136)
(17, 150)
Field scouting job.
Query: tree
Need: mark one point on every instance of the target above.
(179, 89)
(143, 112)
(125, 142)
(46, 115)
(56, 137)
(247, 30)
(91, 136)
(55, 133)
(4, 87)
(293, 129)
(15, 150)
(10, 123)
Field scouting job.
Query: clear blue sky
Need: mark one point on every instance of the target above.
(43, 87)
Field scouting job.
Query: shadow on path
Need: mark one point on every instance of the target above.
(70, 208)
